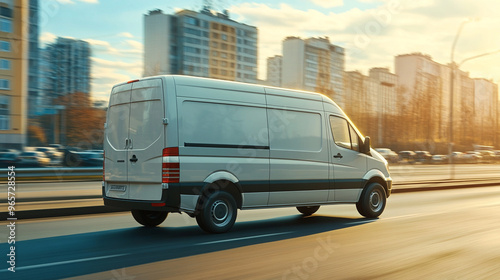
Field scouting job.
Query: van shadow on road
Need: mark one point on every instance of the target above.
(115, 249)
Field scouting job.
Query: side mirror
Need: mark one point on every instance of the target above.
(366, 145)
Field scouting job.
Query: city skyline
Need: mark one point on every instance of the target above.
(372, 32)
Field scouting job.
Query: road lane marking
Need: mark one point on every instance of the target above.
(243, 238)
(64, 262)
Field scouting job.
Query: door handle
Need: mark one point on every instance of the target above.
(126, 143)
(133, 159)
(338, 155)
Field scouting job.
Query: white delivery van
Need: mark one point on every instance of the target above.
(210, 147)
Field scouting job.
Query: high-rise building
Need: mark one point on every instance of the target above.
(426, 84)
(14, 17)
(486, 112)
(204, 44)
(314, 64)
(370, 101)
(274, 66)
(34, 93)
(68, 63)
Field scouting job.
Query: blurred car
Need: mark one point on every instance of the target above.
(487, 156)
(422, 156)
(458, 157)
(439, 159)
(408, 156)
(497, 155)
(472, 157)
(9, 159)
(33, 159)
(58, 147)
(52, 153)
(388, 154)
(83, 158)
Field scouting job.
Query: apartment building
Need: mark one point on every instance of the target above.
(205, 44)
(314, 64)
(14, 19)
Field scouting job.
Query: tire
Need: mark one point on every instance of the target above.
(307, 210)
(149, 218)
(372, 202)
(218, 212)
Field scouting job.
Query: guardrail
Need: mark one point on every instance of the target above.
(57, 174)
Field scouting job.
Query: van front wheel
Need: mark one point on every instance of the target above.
(372, 202)
(307, 210)
(149, 218)
(217, 213)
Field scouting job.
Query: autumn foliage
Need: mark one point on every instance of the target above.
(84, 125)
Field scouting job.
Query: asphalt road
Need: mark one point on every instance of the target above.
(452, 234)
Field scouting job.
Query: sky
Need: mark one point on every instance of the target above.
(371, 31)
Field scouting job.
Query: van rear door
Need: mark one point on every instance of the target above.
(116, 142)
(134, 141)
(146, 134)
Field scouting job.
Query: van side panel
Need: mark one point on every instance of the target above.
(223, 130)
(299, 152)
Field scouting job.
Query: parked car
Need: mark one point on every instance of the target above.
(52, 153)
(423, 156)
(408, 156)
(34, 159)
(388, 154)
(458, 157)
(59, 147)
(497, 155)
(488, 156)
(83, 158)
(472, 157)
(439, 159)
(9, 159)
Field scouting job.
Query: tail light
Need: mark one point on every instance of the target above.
(170, 165)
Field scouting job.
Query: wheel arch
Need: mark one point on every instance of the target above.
(221, 181)
(376, 176)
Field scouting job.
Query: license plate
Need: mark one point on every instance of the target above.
(118, 188)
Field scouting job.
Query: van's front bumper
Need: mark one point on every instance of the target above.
(169, 202)
(389, 186)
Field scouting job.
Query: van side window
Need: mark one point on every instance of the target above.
(344, 134)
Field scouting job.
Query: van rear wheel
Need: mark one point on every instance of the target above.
(372, 202)
(217, 213)
(149, 218)
(307, 210)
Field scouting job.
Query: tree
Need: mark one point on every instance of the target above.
(84, 125)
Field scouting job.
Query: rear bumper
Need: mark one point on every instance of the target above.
(169, 202)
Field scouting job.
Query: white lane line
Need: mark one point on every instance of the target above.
(242, 238)
(64, 262)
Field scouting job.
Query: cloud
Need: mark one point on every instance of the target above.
(372, 37)
(47, 38)
(125, 35)
(328, 3)
(130, 48)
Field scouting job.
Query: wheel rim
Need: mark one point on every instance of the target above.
(221, 213)
(376, 200)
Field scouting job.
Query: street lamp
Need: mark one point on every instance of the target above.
(452, 77)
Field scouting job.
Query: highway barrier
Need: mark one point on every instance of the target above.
(57, 174)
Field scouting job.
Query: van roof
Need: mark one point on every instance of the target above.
(256, 88)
